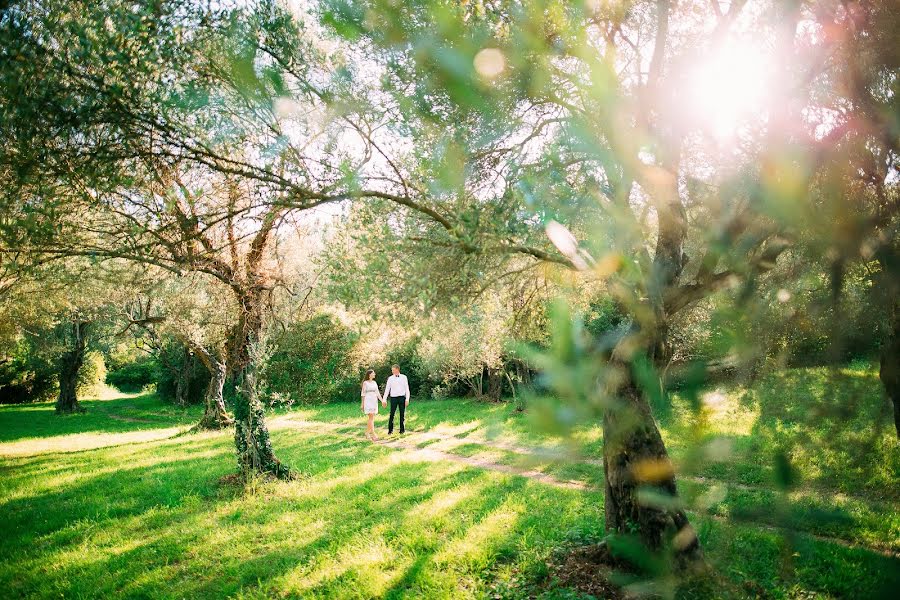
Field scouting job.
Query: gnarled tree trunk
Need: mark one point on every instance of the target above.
(641, 498)
(251, 436)
(215, 415)
(70, 364)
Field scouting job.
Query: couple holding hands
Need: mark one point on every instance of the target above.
(396, 389)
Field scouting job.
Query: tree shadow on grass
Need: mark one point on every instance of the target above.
(170, 527)
(152, 520)
(169, 511)
(410, 576)
(410, 541)
(350, 516)
(763, 561)
(830, 424)
(119, 415)
(832, 427)
(164, 492)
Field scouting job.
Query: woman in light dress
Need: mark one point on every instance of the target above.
(369, 398)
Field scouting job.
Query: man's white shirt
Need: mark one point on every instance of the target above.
(397, 385)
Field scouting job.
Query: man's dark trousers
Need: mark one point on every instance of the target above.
(397, 401)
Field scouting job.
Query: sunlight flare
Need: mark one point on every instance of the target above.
(730, 86)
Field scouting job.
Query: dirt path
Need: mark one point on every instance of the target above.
(129, 419)
(433, 455)
(90, 440)
(411, 445)
(559, 454)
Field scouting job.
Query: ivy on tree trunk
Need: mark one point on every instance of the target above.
(251, 436)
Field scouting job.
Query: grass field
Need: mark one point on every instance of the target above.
(473, 502)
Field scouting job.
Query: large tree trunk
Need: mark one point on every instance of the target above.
(641, 498)
(69, 366)
(251, 436)
(890, 365)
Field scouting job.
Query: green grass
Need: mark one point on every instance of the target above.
(125, 413)
(119, 502)
(834, 425)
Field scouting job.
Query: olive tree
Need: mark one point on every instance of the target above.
(578, 135)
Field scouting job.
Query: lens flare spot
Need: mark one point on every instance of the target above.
(490, 63)
(652, 470)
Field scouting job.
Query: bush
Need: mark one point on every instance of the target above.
(30, 373)
(26, 374)
(134, 376)
(464, 353)
(411, 365)
(92, 374)
(310, 362)
(604, 318)
(791, 322)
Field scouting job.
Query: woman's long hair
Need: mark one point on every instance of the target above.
(366, 378)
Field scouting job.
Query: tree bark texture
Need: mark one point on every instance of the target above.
(251, 436)
(641, 498)
(215, 415)
(70, 364)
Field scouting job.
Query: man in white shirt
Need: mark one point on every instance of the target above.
(397, 390)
